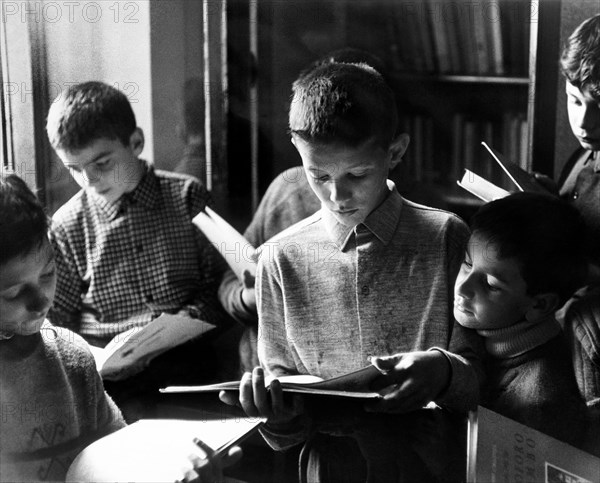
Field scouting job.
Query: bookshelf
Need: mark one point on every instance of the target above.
(462, 71)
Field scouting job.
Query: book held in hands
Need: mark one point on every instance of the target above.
(355, 385)
(130, 351)
(238, 252)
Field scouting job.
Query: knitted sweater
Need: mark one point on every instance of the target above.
(531, 380)
(53, 404)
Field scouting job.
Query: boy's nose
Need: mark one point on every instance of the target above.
(339, 193)
(38, 301)
(463, 287)
(91, 175)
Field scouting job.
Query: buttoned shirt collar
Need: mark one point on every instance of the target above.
(382, 222)
(146, 193)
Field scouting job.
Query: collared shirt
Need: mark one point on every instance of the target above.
(329, 296)
(581, 187)
(121, 264)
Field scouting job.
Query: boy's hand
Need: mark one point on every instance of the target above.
(256, 401)
(413, 380)
(248, 292)
(210, 467)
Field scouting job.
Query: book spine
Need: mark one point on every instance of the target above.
(440, 40)
(492, 22)
(479, 37)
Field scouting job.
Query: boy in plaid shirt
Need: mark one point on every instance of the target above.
(125, 246)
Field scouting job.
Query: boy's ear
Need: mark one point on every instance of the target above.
(136, 141)
(543, 305)
(398, 148)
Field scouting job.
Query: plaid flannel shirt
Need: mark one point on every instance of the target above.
(122, 264)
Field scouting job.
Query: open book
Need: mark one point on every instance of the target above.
(488, 191)
(235, 249)
(156, 449)
(500, 449)
(129, 352)
(356, 385)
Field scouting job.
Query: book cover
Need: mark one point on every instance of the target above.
(355, 385)
(156, 449)
(238, 252)
(129, 352)
(503, 450)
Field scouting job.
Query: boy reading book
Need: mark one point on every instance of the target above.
(579, 181)
(290, 199)
(53, 401)
(370, 274)
(523, 260)
(126, 249)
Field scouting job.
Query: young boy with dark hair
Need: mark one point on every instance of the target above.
(126, 248)
(370, 274)
(524, 260)
(579, 182)
(53, 401)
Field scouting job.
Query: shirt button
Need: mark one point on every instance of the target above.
(149, 297)
(140, 248)
(365, 290)
(575, 195)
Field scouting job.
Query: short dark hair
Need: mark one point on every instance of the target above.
(543, 233)
(580, 58)
(87, 112)
(350, 55)
(23, 222)
(345, 104)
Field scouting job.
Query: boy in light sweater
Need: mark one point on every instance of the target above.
(368, 278)
(53, 401)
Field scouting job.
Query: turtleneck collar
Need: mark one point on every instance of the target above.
(519, 338)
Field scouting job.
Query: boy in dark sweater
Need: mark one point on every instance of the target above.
(523, 260)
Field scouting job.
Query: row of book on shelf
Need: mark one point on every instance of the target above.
(463, 150)
(490, 37)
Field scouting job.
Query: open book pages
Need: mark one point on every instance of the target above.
(481, 187)
(238, 252)
(156, 449)
(129, 352)
(500, 449)
(352, 385)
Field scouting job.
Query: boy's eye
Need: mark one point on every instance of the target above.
(104, 164)
(356, 175)
(10, 294)
(575, 101)
(49, 273)
(321, 179)
(491, 287)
